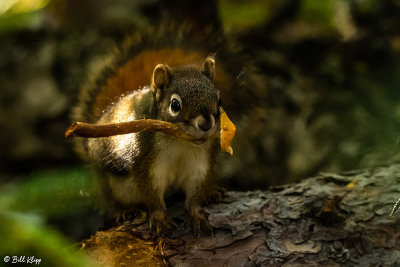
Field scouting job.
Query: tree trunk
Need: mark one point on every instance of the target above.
(332, 219)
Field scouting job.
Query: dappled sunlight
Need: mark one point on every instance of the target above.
(11, 7)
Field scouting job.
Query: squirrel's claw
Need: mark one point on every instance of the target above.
(128, 215)
(199, 221)
(160, 225)
(121, 217)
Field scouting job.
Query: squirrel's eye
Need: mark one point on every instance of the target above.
(175, 105)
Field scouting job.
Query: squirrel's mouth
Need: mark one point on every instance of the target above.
(204, 136)
(199, 141)
(199, 136)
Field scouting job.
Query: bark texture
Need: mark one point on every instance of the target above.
(332, 219)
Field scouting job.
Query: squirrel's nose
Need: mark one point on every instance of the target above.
(205, 124)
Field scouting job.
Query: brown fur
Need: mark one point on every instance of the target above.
(136, 73)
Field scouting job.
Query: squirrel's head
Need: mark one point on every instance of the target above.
(187, 96)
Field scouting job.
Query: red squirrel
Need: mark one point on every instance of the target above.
(157, 76)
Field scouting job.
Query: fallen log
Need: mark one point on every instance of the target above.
(332, 219)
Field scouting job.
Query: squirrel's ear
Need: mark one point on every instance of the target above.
(161, 79)
(209, 68)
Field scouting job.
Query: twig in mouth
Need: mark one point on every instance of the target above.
(89, 130)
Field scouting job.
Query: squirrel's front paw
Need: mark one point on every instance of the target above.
(159, 224)
(199, 221)
(127, 215)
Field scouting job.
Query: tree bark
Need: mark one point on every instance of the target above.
(332, 219)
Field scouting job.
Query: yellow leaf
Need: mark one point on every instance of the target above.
(228, 130)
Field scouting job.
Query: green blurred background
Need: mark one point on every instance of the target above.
(329, 99)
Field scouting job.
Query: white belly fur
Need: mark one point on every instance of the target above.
(179, 164)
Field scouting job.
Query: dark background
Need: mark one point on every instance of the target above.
(328, 94)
